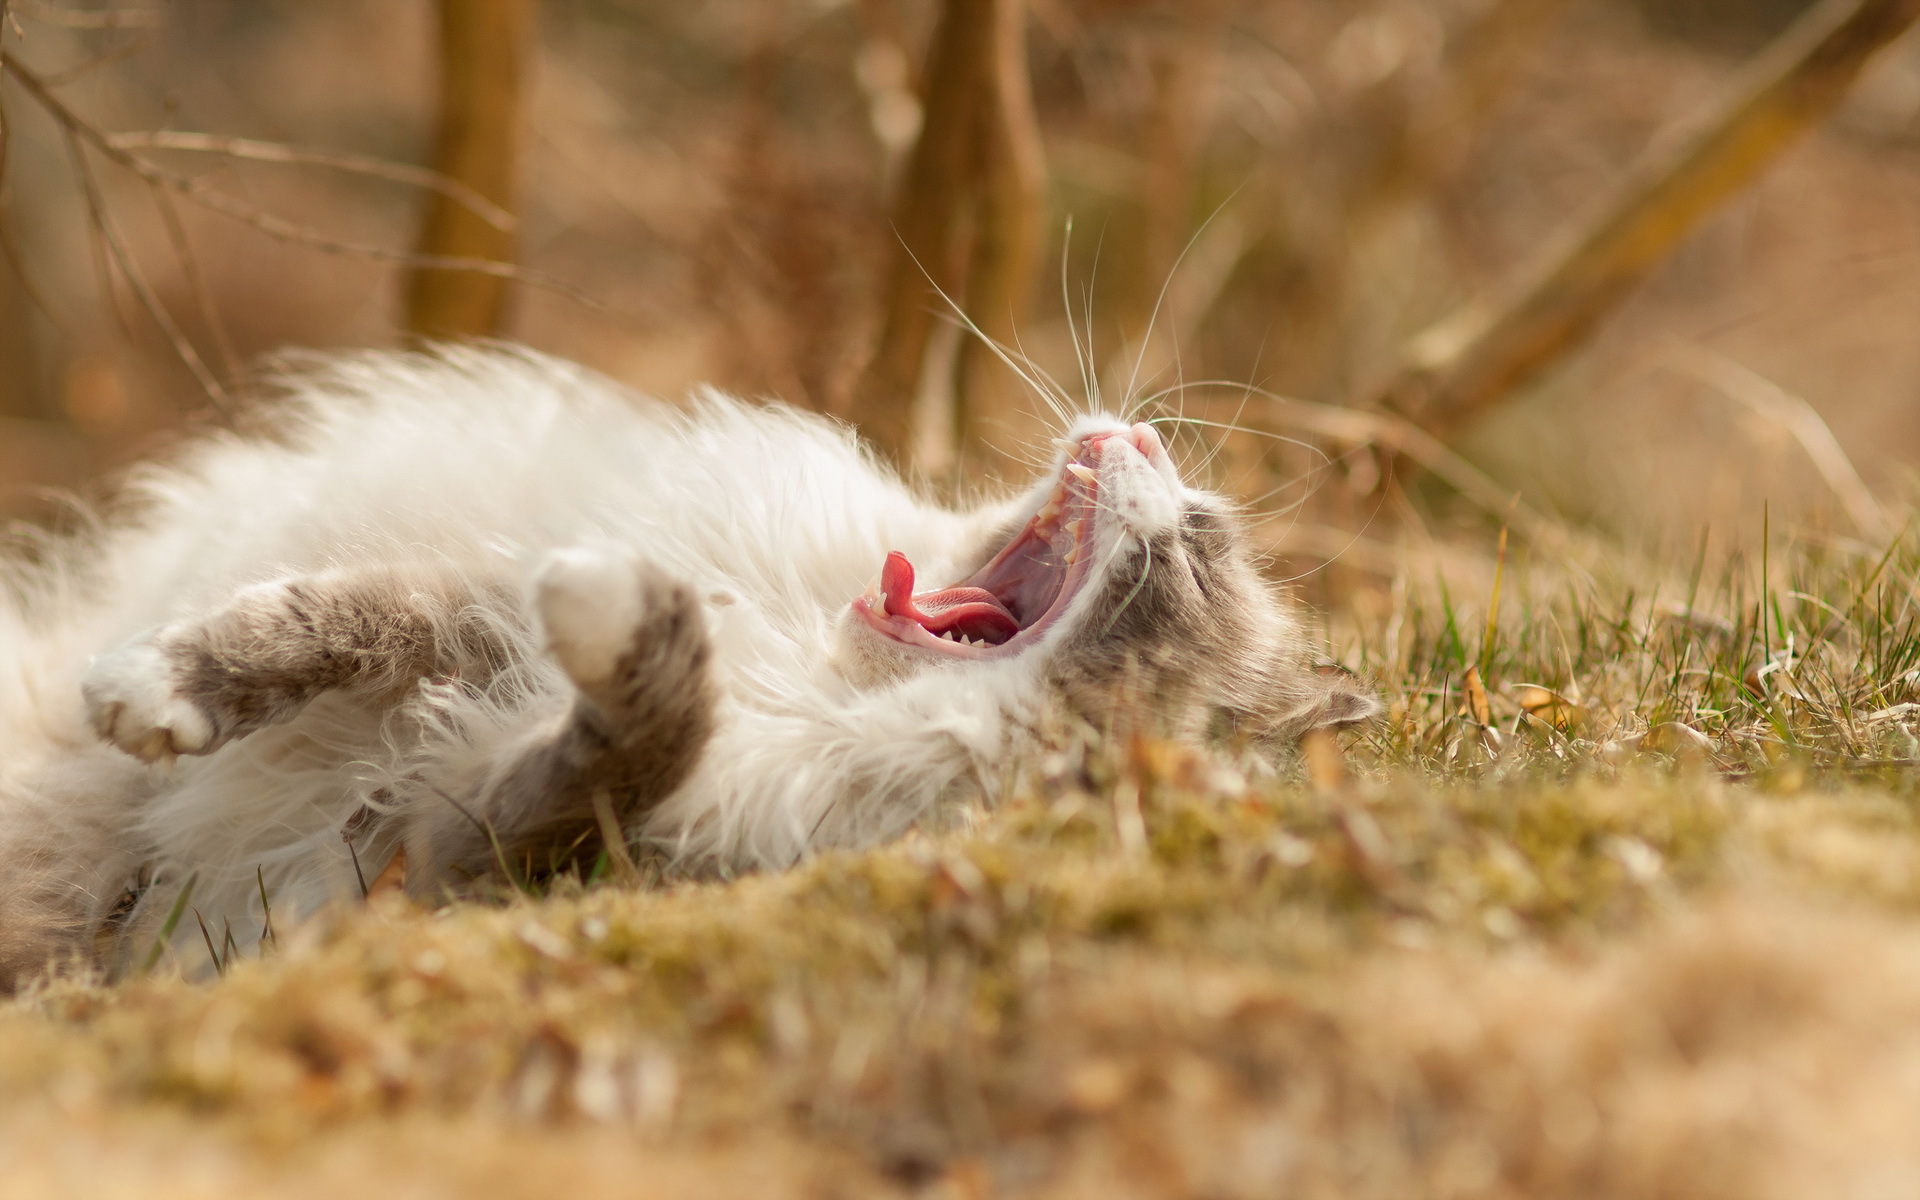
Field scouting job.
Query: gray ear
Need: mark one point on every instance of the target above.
(1345, 699)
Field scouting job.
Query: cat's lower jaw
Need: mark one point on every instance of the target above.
(134, 703)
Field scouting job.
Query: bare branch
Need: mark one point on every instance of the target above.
(1403, 438)
(267, 223)
(1487, 350)
(356, 164)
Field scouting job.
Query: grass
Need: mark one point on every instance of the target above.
(1625, 911)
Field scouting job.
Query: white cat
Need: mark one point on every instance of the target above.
(487, 606)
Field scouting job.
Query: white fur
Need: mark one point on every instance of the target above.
(500, 466)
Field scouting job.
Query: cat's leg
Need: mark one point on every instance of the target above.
(635, 646)
(191, 687)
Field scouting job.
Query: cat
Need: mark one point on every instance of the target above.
(489, 609)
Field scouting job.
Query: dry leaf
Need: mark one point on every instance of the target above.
(1548, 706)
(1672, 737)
(1477, 706)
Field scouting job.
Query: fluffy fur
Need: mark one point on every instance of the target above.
(475, 603)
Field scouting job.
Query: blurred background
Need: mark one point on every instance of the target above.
(1267, 194)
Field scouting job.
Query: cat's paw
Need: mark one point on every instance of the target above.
(589, 603)
(607, 614)
(132, 702)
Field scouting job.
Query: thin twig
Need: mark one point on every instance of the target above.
(196, 279)
(130, 269)
(1745, 386)
(615, 838)
(98, 18)
(1360, 427)
(273, 226)
(353, 164)
(106, 58)
(486, 831)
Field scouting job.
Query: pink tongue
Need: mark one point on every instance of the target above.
(969, 611)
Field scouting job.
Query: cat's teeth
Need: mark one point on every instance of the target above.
(1083, 474)
(880, 607)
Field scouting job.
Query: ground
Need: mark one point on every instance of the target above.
(1616, 900)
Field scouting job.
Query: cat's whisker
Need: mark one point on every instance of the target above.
(1030, 373)
(1160, 300)
(1146, 568)
(1083, 360)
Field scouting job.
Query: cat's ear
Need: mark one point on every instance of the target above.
(1344, 699)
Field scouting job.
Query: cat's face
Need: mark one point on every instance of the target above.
(1119, 585)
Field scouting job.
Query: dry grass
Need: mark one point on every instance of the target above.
(1577, 965)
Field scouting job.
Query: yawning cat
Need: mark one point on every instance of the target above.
(488, 607)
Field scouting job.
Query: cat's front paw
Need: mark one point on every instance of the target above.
(133, 702)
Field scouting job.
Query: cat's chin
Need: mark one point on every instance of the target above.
(1008, 607)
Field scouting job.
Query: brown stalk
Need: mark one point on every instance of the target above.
(928, 214)
(1007, 236)
(966, 220)
(484, 48)
(1486, 351)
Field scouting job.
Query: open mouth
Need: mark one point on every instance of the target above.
(1007, 604)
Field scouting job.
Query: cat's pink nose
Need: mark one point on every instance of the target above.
(1147, 441)
(1141, 437)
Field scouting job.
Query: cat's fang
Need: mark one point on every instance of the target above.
(1084, 474)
